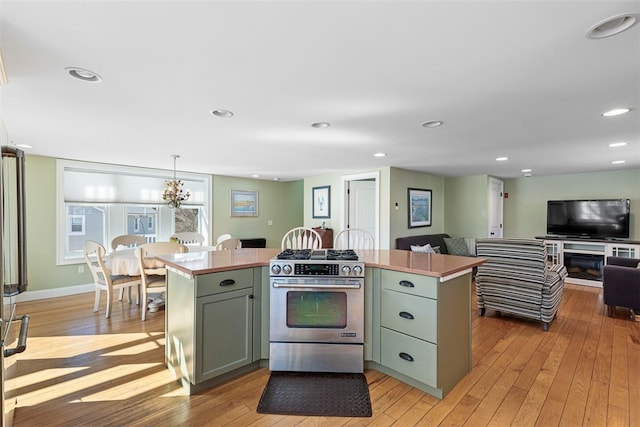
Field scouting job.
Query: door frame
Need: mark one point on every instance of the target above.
(344, 214)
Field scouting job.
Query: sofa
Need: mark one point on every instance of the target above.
(441, 241)
(621, 285)
(517, 279)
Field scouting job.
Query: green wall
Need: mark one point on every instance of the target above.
(42, 271)
(278, 202)
(525, 210)
(335, 207)
(467, 206)
(400, 181)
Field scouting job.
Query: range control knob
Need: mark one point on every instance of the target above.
(357, 270)
(286, 269)
(275, 269)
(346, 270)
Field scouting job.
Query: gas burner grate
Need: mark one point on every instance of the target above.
(295, 254)
(344, 255)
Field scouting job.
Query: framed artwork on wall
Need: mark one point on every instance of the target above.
(419, 208)
(321, 202)
(244, 203)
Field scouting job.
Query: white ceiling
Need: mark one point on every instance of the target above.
(508, 78)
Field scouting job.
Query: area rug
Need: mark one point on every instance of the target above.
(316, 394)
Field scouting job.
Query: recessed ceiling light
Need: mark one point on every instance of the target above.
(432, 124)
(527, 175)
(225, 114)
(379, 154)
(84, 75)
(501, 159)
(618, 162)
(276, 178)
(616, 112)
(617, 144)
(255, 175)
(525, 170)
(612, 25)
(320, 125)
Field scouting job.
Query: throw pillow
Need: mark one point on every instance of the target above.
(426, 248)
(436, 249)
(456, 246)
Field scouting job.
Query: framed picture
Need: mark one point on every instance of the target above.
(321, 199)
(244, 203)
(419, 208)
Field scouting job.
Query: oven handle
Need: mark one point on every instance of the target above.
(311, 285)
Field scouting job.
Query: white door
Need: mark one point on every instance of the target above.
(496, 188)
(360, 208)
(362, 202)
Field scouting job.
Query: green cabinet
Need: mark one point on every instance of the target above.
(224, 332)
(425, 329)
(211, 319)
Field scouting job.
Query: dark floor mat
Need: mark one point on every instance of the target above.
(316, 394)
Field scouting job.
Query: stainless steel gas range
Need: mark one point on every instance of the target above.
(316, 311)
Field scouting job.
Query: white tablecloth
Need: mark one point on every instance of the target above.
(125, 263)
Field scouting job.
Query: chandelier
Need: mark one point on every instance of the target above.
(173, 193)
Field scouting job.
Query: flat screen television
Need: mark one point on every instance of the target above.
(601, 219)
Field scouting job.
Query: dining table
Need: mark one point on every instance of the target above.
(124, 262)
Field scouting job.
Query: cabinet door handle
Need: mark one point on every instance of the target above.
(406, 284)
(406, 315)
(406, 356)
(22, 338)
(228, 282)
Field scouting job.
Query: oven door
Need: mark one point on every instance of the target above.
(317, 310)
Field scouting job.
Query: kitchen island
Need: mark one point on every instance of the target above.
(217, 316)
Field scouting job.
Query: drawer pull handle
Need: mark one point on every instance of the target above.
(406, 315)
(406, 284)
(228, 282)
(406, 356)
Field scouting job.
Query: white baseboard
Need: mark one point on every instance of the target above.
(53, 293)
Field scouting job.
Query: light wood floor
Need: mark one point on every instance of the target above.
(83, 370)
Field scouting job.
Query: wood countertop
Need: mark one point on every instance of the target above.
(435, 265)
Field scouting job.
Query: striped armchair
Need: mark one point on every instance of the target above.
(516, 279)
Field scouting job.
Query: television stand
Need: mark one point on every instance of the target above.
(585, 258)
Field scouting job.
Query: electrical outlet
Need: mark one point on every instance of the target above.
(270, 222)
(80, 269)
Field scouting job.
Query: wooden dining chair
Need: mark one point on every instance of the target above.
(223, 237)
(301, 238)
(188, 238)
(128, 241)
(153, 279)
(354, 238)
(229, 244)
(94, 254)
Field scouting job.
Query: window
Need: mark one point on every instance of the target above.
(85, 222)
(142, 220)
(76, 224)
(99, 202)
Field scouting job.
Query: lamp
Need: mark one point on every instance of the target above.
(173, 193)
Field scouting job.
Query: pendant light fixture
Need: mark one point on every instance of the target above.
(173, 193)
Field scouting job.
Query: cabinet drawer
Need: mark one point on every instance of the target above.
(415, 284)
(413, 357)
(225, 281)
(410, 314)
